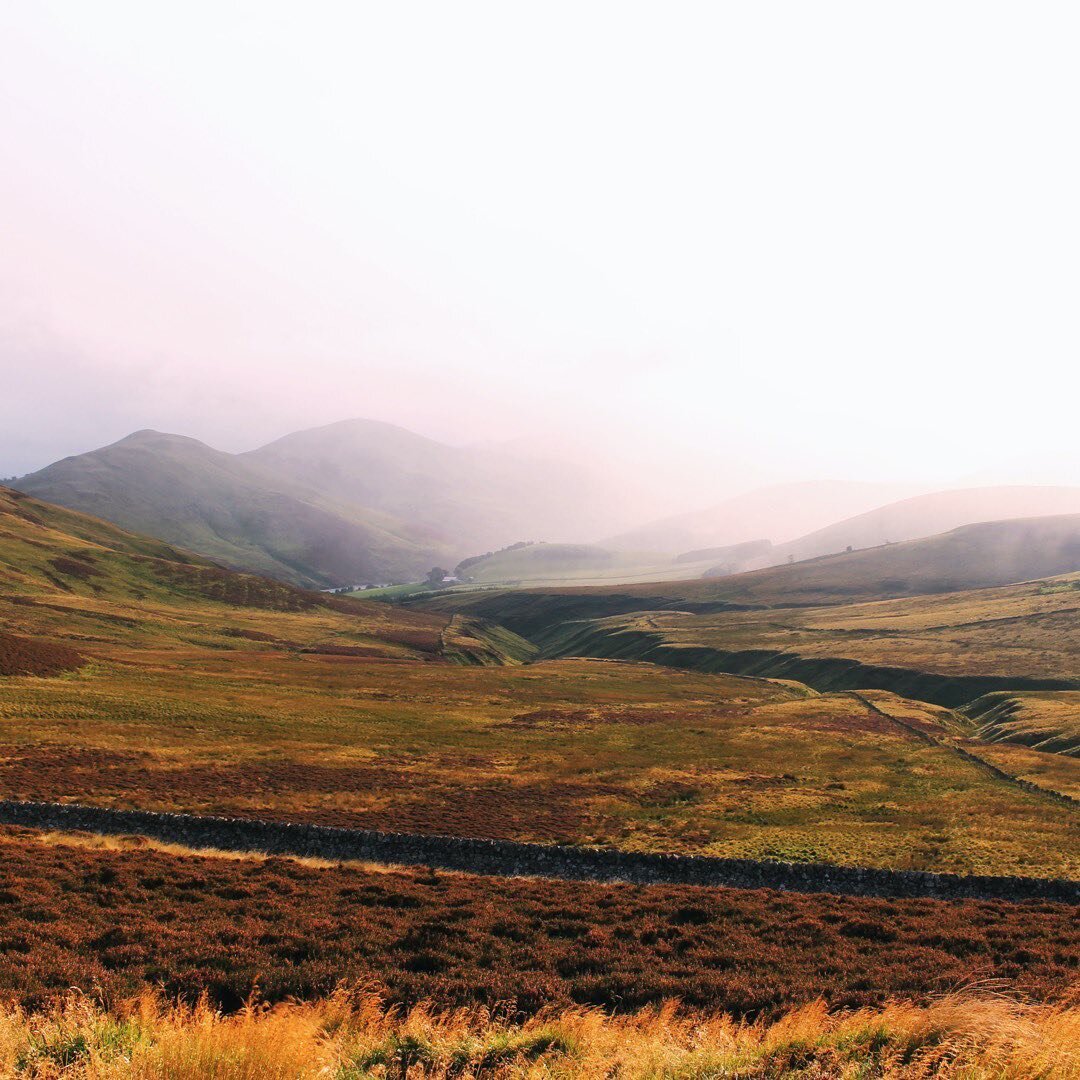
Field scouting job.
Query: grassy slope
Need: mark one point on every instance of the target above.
(70, 579)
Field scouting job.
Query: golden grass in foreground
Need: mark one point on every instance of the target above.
(352, 1036)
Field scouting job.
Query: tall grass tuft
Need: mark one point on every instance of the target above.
(354, 1036)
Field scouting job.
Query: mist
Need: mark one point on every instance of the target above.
(734, 246)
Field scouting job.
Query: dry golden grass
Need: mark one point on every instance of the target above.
(93, 842)
(351, 1036)
(1029, 630)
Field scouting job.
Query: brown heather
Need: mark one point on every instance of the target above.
(122, 920)
(31, 656)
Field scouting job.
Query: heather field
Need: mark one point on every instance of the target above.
(102, 916)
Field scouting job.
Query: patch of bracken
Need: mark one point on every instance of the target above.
(247, 635)
(33, 656)
(75, 568)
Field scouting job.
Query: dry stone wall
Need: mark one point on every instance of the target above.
(505, 858)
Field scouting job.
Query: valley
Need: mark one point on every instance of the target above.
(139, 676)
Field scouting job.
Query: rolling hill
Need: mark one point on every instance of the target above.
(935, 619)
(928, 515)
(214, 503)
(354, 502)
(74, 590)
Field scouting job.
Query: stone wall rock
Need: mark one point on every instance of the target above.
(509, 859)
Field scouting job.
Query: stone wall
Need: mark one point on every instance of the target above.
(505, 858)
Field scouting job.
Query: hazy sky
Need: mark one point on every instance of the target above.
(796, 239)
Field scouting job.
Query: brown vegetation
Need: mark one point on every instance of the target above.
(122, 920)
(31, 656)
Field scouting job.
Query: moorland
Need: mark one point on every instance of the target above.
(136, 674)
(212, 692)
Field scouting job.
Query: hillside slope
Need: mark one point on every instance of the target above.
(74, 590)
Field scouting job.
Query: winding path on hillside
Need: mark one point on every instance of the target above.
(953, 746)
(510, 859)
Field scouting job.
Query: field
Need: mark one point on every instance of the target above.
(566, 751)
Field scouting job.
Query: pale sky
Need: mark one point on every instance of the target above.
(786, 240)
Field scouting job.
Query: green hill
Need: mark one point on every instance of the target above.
(355, 502)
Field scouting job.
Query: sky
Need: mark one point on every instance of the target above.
(730, 243)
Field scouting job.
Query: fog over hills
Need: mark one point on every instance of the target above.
(353, 502)
(778, 513)
(972, 556)
(927, 515)
(365, 501)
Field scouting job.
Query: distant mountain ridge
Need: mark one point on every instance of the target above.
(778, 513)
(931, 514)
(356, 501)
